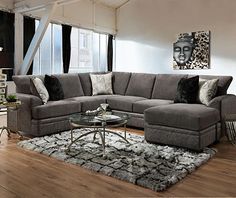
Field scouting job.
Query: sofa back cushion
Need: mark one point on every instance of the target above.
(86, 83)
(120, 82)
(140, 84)
(23, 84)
(223, 83)
(70, 84)
(165, 86)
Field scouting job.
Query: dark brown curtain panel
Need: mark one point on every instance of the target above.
(29, 31)
(110, 53)
(66, 47)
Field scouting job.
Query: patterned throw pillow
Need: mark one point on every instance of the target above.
(41, 89)
(207, 90)
(101, 84)
(33, 89)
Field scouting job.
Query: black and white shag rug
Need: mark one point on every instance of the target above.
(151, 166)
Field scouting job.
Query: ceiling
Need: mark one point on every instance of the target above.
(110, 3)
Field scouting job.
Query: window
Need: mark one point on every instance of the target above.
(88, 51)
(48, 58)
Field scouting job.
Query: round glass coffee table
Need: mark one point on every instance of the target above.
(99, 125)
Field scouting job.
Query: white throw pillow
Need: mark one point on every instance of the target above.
(207, 90)
(101, 83)
(41, 89)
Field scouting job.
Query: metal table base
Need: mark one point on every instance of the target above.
(101, 130)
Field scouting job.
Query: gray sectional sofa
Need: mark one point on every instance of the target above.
(148, 98)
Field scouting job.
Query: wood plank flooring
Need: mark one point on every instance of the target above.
(28, 174)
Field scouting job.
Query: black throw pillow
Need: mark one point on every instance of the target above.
(187, 90)
(54, 88)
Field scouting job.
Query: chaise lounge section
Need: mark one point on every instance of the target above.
(147, 98)
(194, 127)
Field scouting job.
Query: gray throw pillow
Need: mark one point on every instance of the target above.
(101, 83)
(207, 90)
(41, 89)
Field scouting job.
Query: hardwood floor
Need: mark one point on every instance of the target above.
(28, 174)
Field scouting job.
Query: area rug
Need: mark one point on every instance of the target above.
(148, 165)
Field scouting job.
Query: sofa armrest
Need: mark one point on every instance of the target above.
(24, 116)
(216, 102)
(226, 104)
(29, 100)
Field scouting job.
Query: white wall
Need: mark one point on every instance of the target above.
(148, 28)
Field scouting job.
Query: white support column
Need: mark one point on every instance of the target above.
(45, 20)
(19, 30)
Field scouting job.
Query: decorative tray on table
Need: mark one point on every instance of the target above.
(107, 117)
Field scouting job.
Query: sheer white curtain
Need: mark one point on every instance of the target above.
(48, 58)
(88, 51)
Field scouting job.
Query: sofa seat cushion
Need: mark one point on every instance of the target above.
(90, 102)
(123, 103)
(140, 106)
(55, 109)
(193, 117)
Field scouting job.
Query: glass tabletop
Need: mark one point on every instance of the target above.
(109, 118)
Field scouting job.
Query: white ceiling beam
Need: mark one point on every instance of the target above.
(36, 5)
(27, 8)
(28, 5)
(123, 4)
(65, 2)
(38, 36)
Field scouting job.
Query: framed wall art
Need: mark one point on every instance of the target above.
(192, 51)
